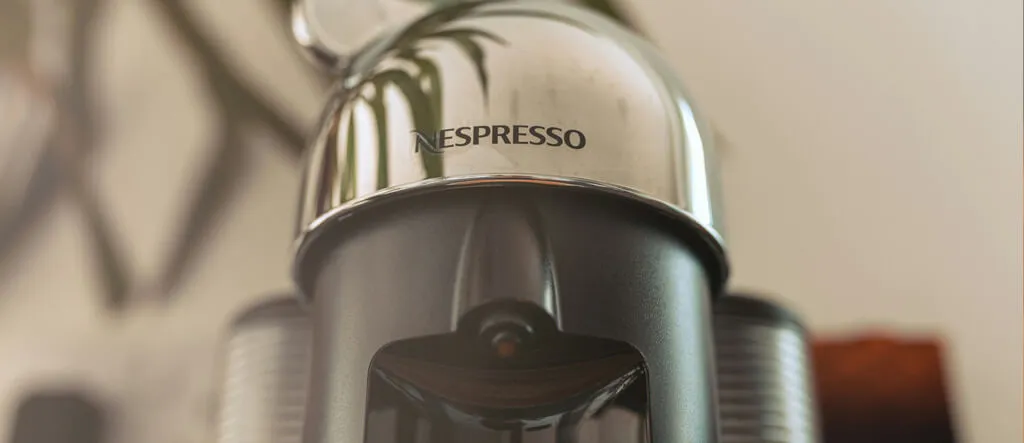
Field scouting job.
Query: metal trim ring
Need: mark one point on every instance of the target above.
(715, 248)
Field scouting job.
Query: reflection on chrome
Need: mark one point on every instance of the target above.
(470, 65)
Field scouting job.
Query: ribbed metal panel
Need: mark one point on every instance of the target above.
(764, 380)
(266, 375)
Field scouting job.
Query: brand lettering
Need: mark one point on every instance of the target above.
(449, 138)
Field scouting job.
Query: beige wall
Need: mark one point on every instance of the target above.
(872, 170)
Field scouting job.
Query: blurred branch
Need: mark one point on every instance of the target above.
(75, 93)
(237, 99)
(610, 8)
(18, 225)
(65, 31)
(237, 106)
(109, 259)
(76, 140)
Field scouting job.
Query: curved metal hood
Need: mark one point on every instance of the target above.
(485, 92)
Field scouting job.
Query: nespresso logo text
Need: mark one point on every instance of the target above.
(499, 134)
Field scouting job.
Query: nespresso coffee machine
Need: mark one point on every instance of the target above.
(507, 232)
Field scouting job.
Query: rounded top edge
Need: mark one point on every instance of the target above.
(747, 306)
(275, 308)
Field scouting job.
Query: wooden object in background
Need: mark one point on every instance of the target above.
(882, 390)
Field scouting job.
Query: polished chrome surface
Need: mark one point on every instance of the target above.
(525, 66)
(266, 372)
(765, 388)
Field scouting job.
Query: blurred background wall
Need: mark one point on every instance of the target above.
(872, 170)
(871, 156)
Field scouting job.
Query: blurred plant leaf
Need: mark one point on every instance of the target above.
(245, 101)
(381, 122)
(429, 78)
(76, 140)
(76, 95)
(421, 109)
(19, 224)
(423, 93)
(426, 106)
(609, 8)
(329, 171)
(464, 38)
(504, 13)
(476, 54)
(237, 105)
(612, 10)
(432, 22)
(348, 179)
(110, 262)
(466, 33)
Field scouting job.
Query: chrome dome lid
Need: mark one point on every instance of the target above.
(483, 92)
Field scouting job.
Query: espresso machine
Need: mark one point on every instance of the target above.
(508, 231)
